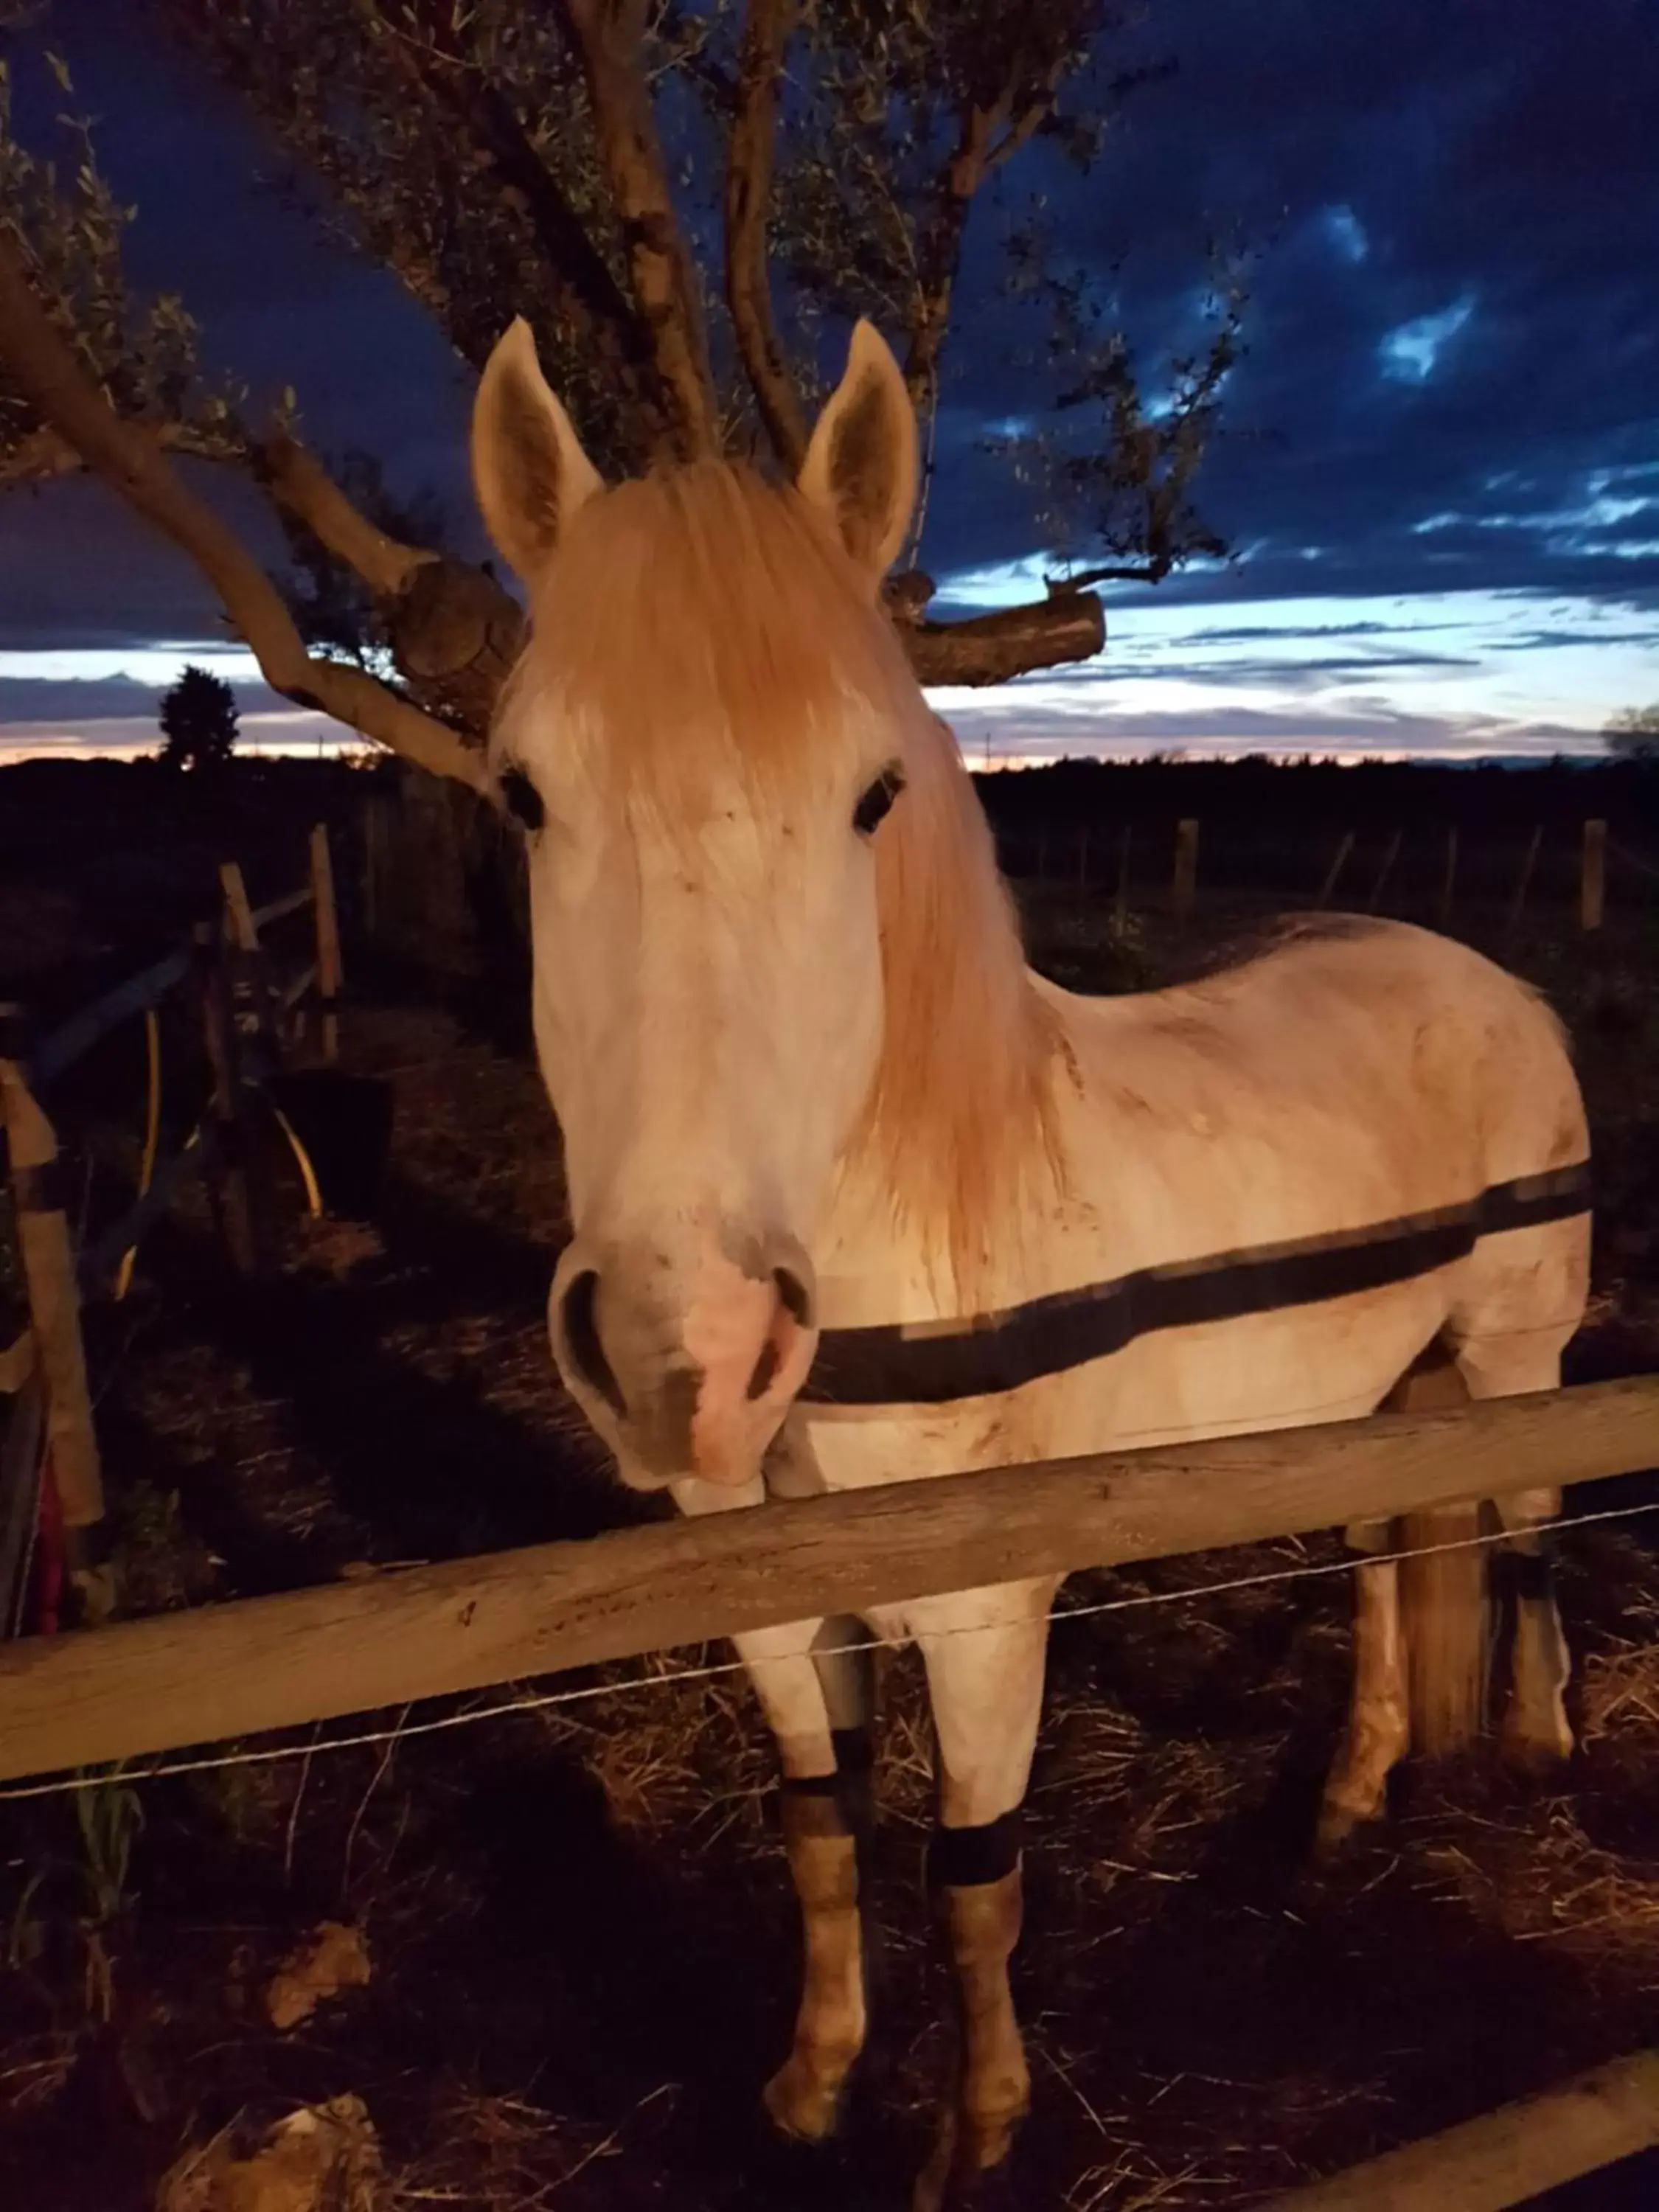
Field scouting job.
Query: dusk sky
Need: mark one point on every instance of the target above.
(1440, 469)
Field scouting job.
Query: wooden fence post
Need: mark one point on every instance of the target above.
(1333, 871)
(1449, 878)
(250, 966)
(1121, 902)
(1387, 869)
(48, 1256)
(1184, 887)
(330, 975)
(373, 837)
(1527, 866)
(1593, 889)
(1083, 860)
(228, 1180)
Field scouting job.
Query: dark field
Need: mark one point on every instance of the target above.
(580, 1937)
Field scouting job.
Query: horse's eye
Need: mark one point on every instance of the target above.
(872, 809)
(521, 799)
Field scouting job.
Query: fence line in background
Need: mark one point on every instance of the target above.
(1595, 848)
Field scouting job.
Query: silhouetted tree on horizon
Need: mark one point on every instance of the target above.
(198, 721)
(1633, 733)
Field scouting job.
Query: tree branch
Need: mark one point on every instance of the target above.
(44, 369)
(297, 480)
(942, 250)
(1013, 641)
(1132, 572)
(609, 36)
(443, 73)
(765, 32)
(987, 138)
(454, 632)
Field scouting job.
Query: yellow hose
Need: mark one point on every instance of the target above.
(152, 1138)
(308, 1174)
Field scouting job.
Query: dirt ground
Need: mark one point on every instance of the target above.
(579, 1938)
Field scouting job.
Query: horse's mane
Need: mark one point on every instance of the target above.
(703, 618)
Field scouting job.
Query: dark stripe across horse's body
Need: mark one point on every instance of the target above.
(938, 1363)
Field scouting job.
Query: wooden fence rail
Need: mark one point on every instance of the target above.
(1505, 2158)
(259, 1663)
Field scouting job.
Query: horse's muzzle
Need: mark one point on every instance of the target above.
(686, 1370)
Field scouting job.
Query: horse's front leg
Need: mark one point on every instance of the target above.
(818, 1707)
(984, 1653)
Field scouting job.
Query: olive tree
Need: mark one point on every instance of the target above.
(679, 199)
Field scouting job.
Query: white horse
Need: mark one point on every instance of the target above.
(857, 1198)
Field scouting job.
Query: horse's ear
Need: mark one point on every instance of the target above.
(529, 470)
(861, 466)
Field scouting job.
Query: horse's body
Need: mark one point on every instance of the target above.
(818, 1115)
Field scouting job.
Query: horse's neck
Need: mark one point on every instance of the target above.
(876, 1265)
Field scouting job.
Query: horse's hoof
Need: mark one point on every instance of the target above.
(1341, 1829)
(972, 2168)
(803, 2101)
(1537, 1755)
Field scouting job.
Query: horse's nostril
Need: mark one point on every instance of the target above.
(797, 1298)
(766, 1369)
(578, 1316)
(794, 1312)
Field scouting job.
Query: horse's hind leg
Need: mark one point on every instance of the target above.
(1378, 1733)
(1534, 1728)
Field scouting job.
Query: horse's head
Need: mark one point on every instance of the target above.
(775, 967)
(710, 723)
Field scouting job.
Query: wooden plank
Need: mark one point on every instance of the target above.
(302, 986)
(1507, 2157)
(227, 1181)
(267, 917)
(19, 1499)
(1592, 889)
(274, 1663)
(49, 1272)
(252, 970)
(244, 922)
(329, 972)
(81, 1031)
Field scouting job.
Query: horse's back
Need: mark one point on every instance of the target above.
(1395, 1065)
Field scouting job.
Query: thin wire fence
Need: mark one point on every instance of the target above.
(584, 1693)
